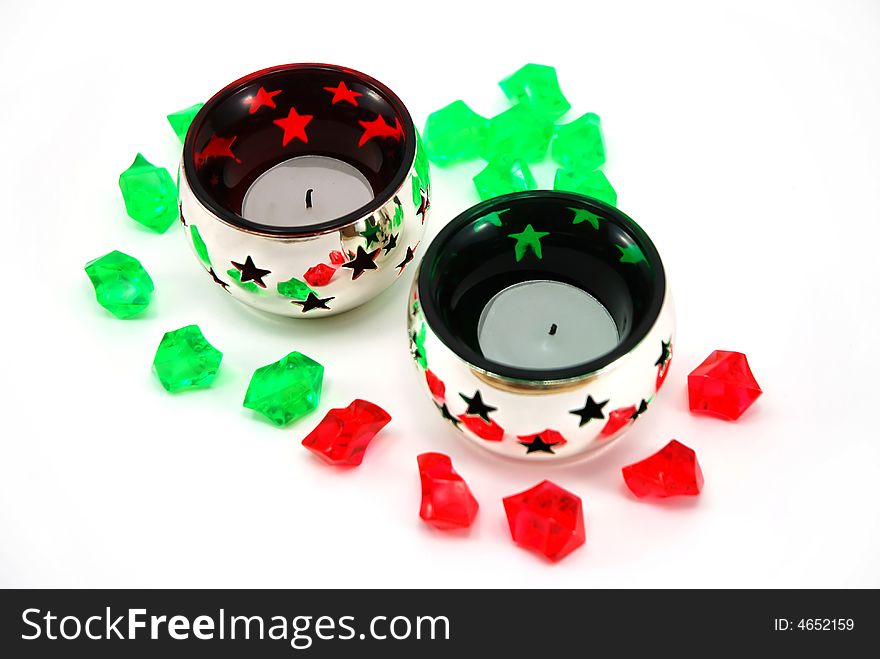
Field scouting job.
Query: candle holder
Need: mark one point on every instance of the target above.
(542, 324)
(304, 189)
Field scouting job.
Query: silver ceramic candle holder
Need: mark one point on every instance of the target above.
(304, 189)
(541, 324)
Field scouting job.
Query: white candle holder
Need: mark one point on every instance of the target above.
(304, 189)
(557, 389)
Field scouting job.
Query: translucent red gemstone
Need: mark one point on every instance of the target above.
(337, 258)
(319, 275)
(617, 420)
(435, 384)
(548, 436)
(490, 431)
(447, 502)
(671, 471)
(547, 519)
(343, 435)
(723, 385)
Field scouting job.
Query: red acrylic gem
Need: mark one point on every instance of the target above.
(671, 471)
(546, 519)
(319, 275)
(343, 435)
(435, 384)
(490, 431)
(447, 502)
(617, 420)
(723, 385)
(337, 258)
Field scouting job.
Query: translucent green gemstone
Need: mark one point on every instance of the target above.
(185, 359)
(418, 340)
(122, 286)
(579, 145)
(249, 286)
(286, 390)
(181, 120)
(150, 194)
(454, 133)
(517, 134)
(294, 289)
(498, 179)
(592, 184)
(199, 245)
(537, 86)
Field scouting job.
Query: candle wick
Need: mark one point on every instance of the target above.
(309, 198)
(553, 329)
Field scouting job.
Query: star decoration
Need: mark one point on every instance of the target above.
(643, 407)
(444, 410)
(424, 206)
(631, 254)
(294, 126)
(313, 302)
(665, 353)
(217, 279)
(217, 147)
(406, 260)
(180, 215)
(391, 244)
(528, 238)
(380, 128)
(539, 445)
(343, 93)
(590, 410)
(250, 272)
(362, 262)
(371, 232)
(581, 215)
(261, 99)
(477, 407)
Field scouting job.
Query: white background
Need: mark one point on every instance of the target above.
(744, 137)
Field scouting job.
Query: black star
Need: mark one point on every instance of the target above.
(406, 260)
(391, 244)
(250, 272)
(313, 302)
(477, 407)
(180, 212)
(538, 444)
(444, 410)
(217, 279)
(590, 410)
(643, 407)
(424, 206)
(664, 353)
(363, 261)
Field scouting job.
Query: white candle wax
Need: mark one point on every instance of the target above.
(305, 190)
(544, 324)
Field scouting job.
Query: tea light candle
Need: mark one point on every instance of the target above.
(306, 190)
(543, 324)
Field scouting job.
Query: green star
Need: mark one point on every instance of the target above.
(371, 232)
(631, 254)
(418, 340)
(581, 215)
(528, 237)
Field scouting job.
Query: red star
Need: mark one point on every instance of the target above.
(343, 93)
(294, 126)
(217, 147)
(379, 128)
(262, 98)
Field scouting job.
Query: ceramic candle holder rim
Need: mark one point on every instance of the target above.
(517, 377)
(236, 220)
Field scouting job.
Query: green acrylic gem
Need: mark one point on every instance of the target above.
(294, 289)
(418, 340)
(593, 184)
(249, 286)
(579, 145)
(528, 239)
(150, 194)
(287, 389)
(498, 179)
(181, 120)
(581, 215)
(122, 286)
(185, 360)
(199, 245)
(397, 220)
(454, 134)
(537, 86)
(423, 167)
(518, 133)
